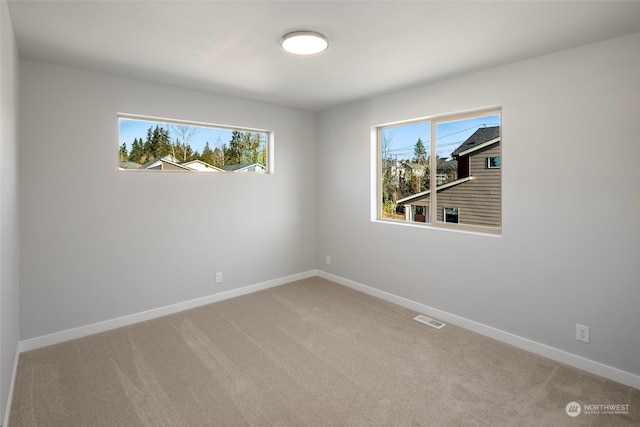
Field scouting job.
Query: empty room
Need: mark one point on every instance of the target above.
(335, 213)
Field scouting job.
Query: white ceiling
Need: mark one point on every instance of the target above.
(375, 47)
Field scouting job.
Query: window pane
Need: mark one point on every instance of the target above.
(464, 149)
(404, 154)
(451, 215)
(166, 146)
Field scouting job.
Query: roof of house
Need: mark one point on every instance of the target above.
(130, 165)
(479, 137)
(157, 161)
(239, 167)
(174, 164)
(412, 198)
(204, 164)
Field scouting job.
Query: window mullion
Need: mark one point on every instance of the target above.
(433, 165)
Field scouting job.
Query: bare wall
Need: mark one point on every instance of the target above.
(9, 218)
(571, 203)
(98, 244)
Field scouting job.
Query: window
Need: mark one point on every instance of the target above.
(451, 215)
(421, 213)
(148, 144)
(430, 171)
(493, 162)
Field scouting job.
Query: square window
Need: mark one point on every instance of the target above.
(426, 166)
(493, 162)
(451, 215)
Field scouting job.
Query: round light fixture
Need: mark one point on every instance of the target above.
(304, 42)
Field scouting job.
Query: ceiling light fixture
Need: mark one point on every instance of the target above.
(304, 42)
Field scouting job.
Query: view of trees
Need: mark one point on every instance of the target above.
(160, 141)
(404, 177)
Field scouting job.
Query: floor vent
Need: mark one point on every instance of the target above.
(427, 321)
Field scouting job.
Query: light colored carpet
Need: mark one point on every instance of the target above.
(309, 353)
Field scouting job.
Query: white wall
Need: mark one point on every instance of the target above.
(571, 193)
(98, 244)
(9, 246)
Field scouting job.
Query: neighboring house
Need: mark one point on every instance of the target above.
(402, 170)
(254, 167)
(475, 196)
(200, 166)
(396, 170)
(170, 163)
(414, 169)
(157, 164)
(447, 170)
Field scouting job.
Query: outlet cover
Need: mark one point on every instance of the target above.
(219, 277)
(582, 333)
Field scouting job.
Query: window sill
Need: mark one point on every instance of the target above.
(484, 231)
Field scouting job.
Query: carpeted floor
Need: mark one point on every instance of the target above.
(307, 353)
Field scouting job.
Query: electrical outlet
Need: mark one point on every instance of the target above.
(328, 260)
(582, 333)
(219, 277)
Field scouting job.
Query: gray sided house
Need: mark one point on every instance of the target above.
(474, 197)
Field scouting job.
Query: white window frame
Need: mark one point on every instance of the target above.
(269, 143)
(376, 173)
(489, 166)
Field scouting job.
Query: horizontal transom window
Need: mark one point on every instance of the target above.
(444, 171)
(148, 144)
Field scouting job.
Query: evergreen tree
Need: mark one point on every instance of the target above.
(164, 142)
(148, 148)
(255, 141)
(157, 144)
(137, 151)
(123, 152)
(246, 147)
(426, 180)
(232, 155)
(420, 152)
(207, 154)
(184, 152)
(389, 192)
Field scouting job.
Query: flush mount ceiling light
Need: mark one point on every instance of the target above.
(304, 42)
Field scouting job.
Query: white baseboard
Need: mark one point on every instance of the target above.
(552, 353)
(7, 409)
(94, 328)
(549, 352)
